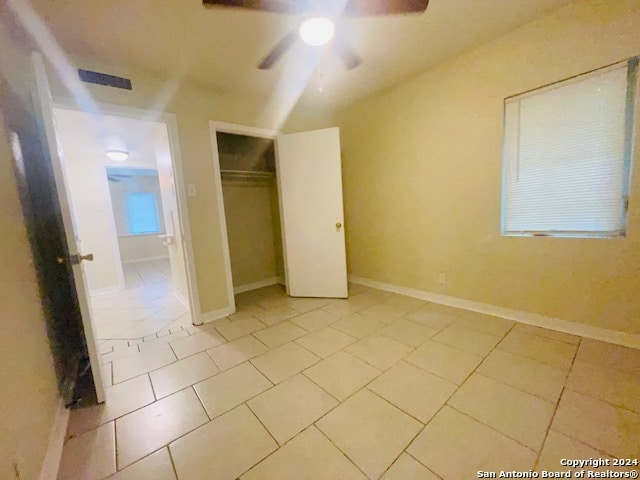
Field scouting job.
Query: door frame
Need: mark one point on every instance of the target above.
(237, 129)
(169, 120)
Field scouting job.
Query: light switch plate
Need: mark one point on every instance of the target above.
(192, 191)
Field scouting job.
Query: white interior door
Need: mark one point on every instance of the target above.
(310, 190)
(172, 238)
(44, 102)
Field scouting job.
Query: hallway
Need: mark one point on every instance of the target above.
(144, 308)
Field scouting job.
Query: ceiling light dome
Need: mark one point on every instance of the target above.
(117, 155)
(317, 31)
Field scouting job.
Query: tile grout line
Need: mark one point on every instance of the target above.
(115, 443)
(477, 420)
(171, 459)
(153, 390)
(429, 469)
(246, 403)
(366, 386)
(481, 422)
(178, 437)
(446, 403)
(131, 464)
(557, 405)
(336, 447)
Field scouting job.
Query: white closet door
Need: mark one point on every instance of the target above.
(310, 190)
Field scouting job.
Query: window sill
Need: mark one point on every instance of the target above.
(594, 235)
(155, 234)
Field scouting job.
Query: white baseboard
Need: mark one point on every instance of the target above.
(254, 286)
(51, 462)
(105, 291)
(182, 299)
(216, 314)
(145, 259)
(558, 324)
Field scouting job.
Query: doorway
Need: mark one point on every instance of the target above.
(244, 160)
(308, 225)
(120, 176)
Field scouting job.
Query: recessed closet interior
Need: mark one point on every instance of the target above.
(250, 193)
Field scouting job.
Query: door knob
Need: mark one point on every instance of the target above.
(75, 259)
(338, 226)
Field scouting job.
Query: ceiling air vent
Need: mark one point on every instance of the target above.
(104, 79)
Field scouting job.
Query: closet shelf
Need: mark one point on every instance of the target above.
(246, 174)
(248, 178)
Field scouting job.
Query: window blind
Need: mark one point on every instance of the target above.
(566, 157)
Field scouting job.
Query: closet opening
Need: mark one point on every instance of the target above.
(251, 210)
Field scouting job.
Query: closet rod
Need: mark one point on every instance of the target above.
(247, 173)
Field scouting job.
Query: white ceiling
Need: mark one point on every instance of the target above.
(221, 47)
(92, 135)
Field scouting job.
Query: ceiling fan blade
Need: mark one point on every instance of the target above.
(365, 8)
(350, 58)
(278, 51)
(277, 6)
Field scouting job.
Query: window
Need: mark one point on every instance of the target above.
(567, 156)
(142, 213)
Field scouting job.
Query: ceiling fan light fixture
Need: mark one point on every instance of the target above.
(317, 31)
(117, 155)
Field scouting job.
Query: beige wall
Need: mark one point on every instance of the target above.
(277, 233)
(422, 178)
(250, 230)
(28, 392)
(135, 248)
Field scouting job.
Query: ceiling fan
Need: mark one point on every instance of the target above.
(318, 21)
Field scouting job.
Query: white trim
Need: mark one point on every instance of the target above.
(243, 130)
(215, 127)
(169, 119)
(145, 259)
(558, 324)
(216, 314)
(183, 216)
(283, 230)
(104, 291)
(222, 218)
(51, 462)
(181, 298)
(255, 285)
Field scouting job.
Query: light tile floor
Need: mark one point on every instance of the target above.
(376, 386)
(145, 307)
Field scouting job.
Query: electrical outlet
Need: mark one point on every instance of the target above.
(442, 278)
